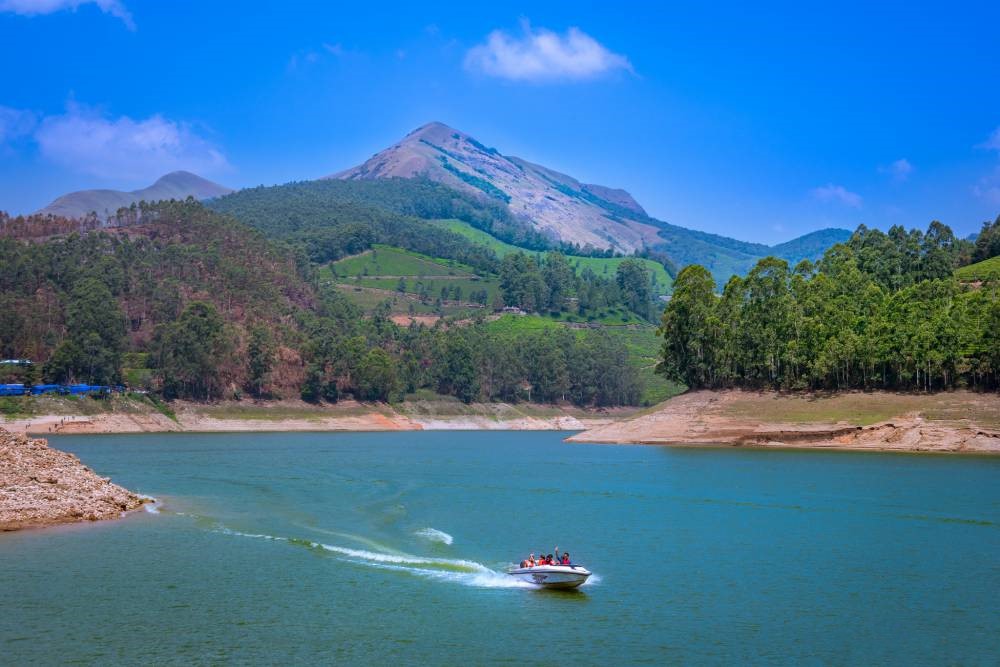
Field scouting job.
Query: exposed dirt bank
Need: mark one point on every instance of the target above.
(947, 422)
(247, 416)
(41, 486)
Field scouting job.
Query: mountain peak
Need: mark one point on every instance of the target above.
(556, 204)
(179, 175)
(434, 128)
(435, 133)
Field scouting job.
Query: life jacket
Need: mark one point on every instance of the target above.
(565, 560)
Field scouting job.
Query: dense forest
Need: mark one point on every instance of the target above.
(552, 285)
(880, 311)
(195, 305)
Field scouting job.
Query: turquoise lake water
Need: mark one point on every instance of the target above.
(389, 548)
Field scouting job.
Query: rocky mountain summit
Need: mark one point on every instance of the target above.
(175, 185)
(558, 205)
(41, 486)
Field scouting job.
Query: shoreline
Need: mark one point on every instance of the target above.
(953, 422)
(293, 416)
(947, 422)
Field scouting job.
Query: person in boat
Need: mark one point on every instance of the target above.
(531, 561)
(564, 559)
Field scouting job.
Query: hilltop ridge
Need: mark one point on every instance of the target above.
(175, 185)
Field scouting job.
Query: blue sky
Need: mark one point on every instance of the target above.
(760, 124)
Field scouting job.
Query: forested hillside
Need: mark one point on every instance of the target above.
(334, 218)
(190, 303)
(881, 311)
(337, 218)
(78, 303)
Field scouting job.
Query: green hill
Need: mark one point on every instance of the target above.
(987, 269)
(331, 219)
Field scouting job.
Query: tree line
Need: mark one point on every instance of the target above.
(382, 361)
(881, 311)
(551, 284)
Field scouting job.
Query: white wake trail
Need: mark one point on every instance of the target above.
(435, 535)
(466, 572)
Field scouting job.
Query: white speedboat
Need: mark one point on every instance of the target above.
(552, 576)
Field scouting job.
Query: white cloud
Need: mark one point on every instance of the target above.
(36, 7)
(543, 55)
(14, 124)
(838, 194)
(122, 148)
(993, 142)
(899, 170)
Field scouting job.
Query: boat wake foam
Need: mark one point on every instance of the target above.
(466, 572)
(435, 535)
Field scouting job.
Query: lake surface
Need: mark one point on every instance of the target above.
(389, 548)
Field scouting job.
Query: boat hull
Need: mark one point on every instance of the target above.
(551, 576)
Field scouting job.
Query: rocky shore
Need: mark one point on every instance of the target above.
(41, 486)
(948, 422)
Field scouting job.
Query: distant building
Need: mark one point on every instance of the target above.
(16, 362)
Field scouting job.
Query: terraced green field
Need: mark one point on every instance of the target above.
(601, 266)
(388, 261)
(980, 270)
